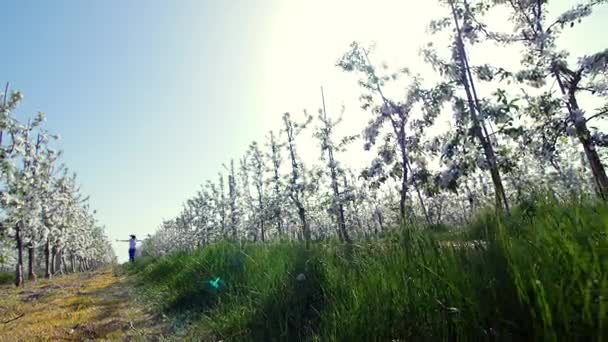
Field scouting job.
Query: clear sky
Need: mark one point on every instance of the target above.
(151, 97)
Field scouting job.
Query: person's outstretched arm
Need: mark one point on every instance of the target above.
(122, 240)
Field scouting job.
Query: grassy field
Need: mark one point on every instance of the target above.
(541, 274)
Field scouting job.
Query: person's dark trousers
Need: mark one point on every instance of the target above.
(132, 254)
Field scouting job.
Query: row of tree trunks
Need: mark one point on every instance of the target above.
(55, 260)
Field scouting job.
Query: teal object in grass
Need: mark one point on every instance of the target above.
(216, 283)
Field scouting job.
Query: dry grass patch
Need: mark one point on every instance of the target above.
(76, 307)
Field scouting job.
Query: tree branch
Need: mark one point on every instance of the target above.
(14, 319)
(596, 115)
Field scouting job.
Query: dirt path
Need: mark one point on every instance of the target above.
(77, 307)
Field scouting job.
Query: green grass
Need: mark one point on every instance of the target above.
(543, 275)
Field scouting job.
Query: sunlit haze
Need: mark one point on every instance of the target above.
(152, 97)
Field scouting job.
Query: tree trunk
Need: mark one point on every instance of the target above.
(262, 230)
(499, 191)
(338, 205)
(232, 197)
(420, 199)
(380, 219)
(357, 215)
(274, 149)
(73, 262)
(31, 263)
(296, 190)
(479, 127)
(482, 133)
(48, 260)
(338, 228)
(584, 136)
(305, 228)
(59, 261)
(597, 168)
(403, 190)
(53, 260)
(261, 212)
(19, 266)
(356, 210)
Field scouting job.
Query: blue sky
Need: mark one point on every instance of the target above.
(143, 95)
(151, 97)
